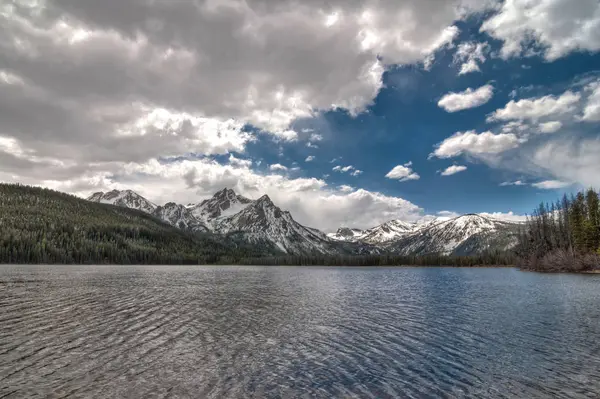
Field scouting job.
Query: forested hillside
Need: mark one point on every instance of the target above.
(44, 226)
(563, 236)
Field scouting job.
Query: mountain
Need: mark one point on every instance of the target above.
(346, 234)
(179, 216)
(46, 226)
(389, 231)
(224, 203)
(463, 235)
(226, 213)
(126, 198)
(262, 221)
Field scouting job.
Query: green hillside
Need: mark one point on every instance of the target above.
(45, 226)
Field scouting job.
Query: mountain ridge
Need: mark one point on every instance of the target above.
(260, 221)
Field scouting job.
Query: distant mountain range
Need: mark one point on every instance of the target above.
(261, 222)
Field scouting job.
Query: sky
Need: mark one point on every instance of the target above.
(345, 112)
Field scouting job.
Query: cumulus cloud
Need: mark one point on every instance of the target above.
(591, 112)
(569, 160)
(469, 56)
(95, 75)
(536, 108)
(346, 189)
(470, 98)
(454, 169)
(246, 163)
(505, 216)
(474, 143)
(551, 184)
(550, 127)
(555, 27)
(347, 169)
(309, 158)
(403, 173)
(277, 166)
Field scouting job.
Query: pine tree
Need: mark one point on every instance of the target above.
(592, 227)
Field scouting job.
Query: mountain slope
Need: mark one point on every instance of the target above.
(222, 204)
(226, 213)
(179, 216)
(346, 234)
(464, 235)
(263, 221)
(387, 232)
(45, 226)
(126, 198)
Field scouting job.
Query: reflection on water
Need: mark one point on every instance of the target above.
(297, 332)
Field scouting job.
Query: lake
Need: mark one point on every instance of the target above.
(279, 332)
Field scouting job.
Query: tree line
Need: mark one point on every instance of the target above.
(563, 235)
(493, 258)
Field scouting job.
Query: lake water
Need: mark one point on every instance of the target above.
(280, 332)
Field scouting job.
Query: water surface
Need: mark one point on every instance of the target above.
(279, 332)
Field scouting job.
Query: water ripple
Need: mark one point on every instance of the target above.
(170, 332)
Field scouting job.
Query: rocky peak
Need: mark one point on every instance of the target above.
(345, 232)
(125, 198)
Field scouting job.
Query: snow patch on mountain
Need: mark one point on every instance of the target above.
(124, 198)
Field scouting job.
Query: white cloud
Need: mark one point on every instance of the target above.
(591, 112)
(312, 145)
(448, 214)
(454, 169)
(550, 127)
(403, 173)
(513, 183)
(346, 189)
(558, 26)
(309, 158)
(505, 216)
(536, 108)
(277, 166)
(102, 108)
(508, 216)
(475, 143)
(516, 127)
(453, 102)
(569, 160)
(246, 163)
(470, 55)
(315, 137)
(347, 169)
(551, 184)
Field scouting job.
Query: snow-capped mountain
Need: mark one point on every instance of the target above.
(124, 198)
(261, 222)
(223, 204)
(462, 235)
(346, 234)
(179, 216)
(389, 231)
(378, 235)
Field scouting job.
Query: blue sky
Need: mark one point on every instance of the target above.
(345, 112)
(405, 123)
